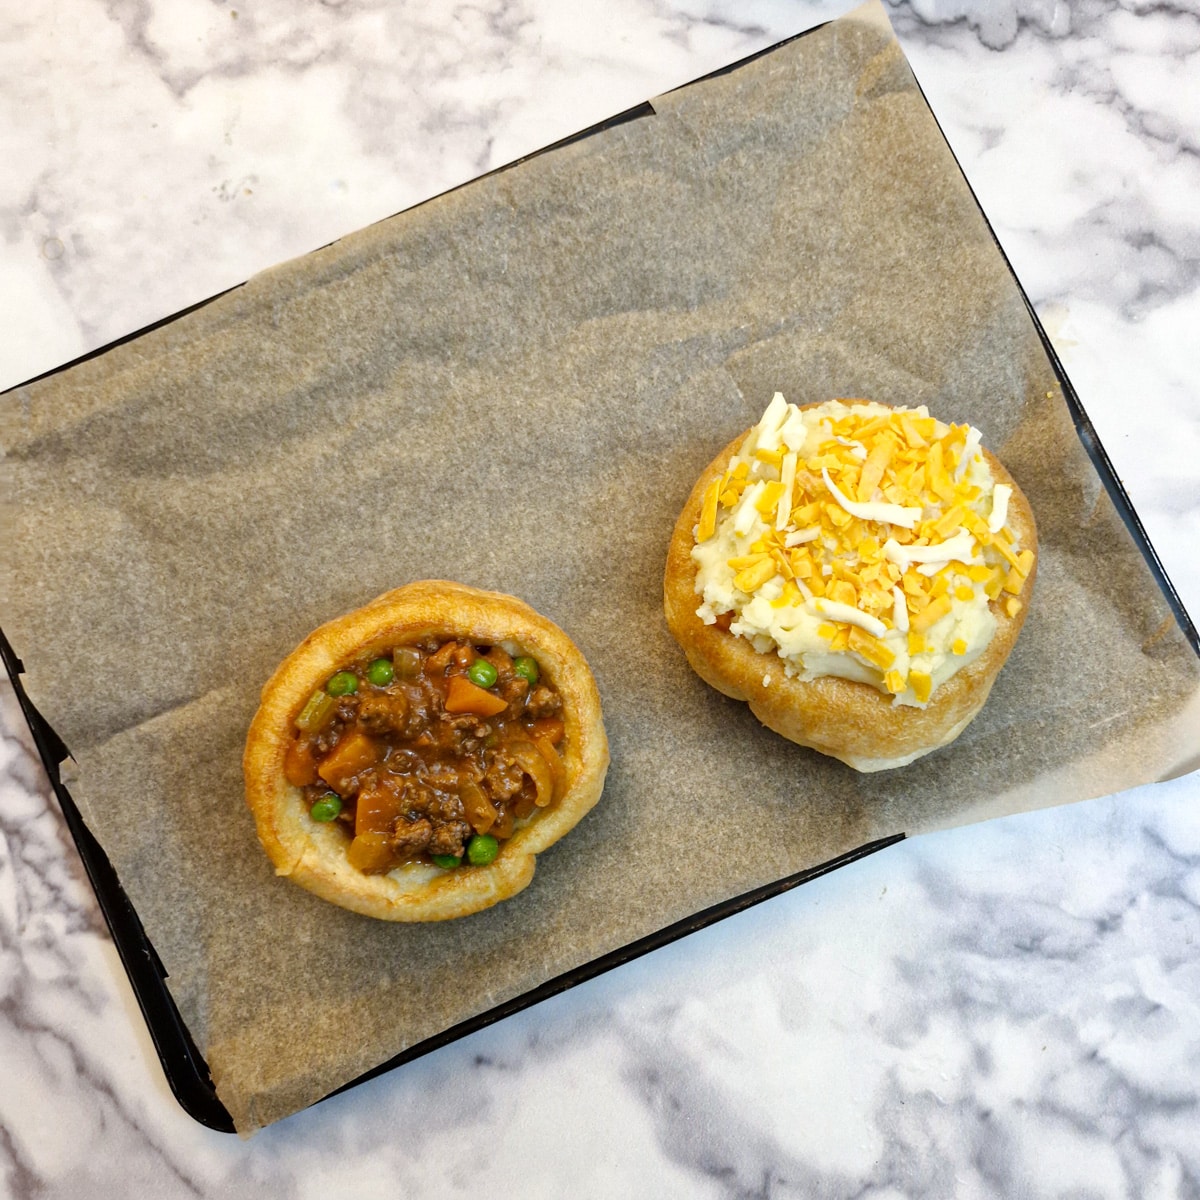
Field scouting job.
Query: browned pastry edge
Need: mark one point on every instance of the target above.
(848, 720)
(313, 854)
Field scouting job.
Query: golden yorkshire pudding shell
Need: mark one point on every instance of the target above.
(843, 718)
(313, 854)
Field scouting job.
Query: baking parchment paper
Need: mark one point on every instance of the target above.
(515, 385)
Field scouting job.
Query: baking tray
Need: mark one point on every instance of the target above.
(183, 1065)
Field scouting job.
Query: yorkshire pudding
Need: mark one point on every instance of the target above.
(858, 574)
(410, 759)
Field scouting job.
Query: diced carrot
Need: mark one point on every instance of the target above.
(354, 753)
(299, 766)
(439, 660)
(370, 853)
(375, 810)
(463, 696)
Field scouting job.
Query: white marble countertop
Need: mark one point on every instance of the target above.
(1011, 1008)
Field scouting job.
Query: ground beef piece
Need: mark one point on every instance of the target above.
(325, 741)
(435, 819)
(411, 837)
(514, 690)
(403, 711)
(444, 807)
(449, 838)
(502, 780)
(415, 798)
(462, 733)
(424, 708)
(543, 702)
(443, 777)
(383, 714)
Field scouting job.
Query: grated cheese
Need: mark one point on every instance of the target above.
(872, 510)
(797, 537)
(899, 609)
(960, 548)
(787, 478)
(1001, 495)
(860, 540)
(838, 611)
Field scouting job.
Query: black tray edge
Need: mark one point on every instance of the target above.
(184, 1067)
(1084, 428)
(624, 954)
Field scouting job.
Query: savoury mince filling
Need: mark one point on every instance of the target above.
(433, 752)
(862, 541)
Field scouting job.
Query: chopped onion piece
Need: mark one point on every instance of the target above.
(527, 756)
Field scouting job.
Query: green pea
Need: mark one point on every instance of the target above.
(527, 668)
(482, 672)
(326, 808)
(344, 683)
(381, 672)
(482, 849)
(446, 861)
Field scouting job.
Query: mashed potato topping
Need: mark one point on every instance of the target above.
(859, 540)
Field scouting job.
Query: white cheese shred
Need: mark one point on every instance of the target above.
(793, 431)
(772, 420)
(744, 514)
(1001, 494)
(787, 476)
(959, 548)
(873, 510)
(970, 450)
(835, 610)
(799, 536)
(899, 609)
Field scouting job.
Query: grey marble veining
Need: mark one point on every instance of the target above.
(1009, 1009)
